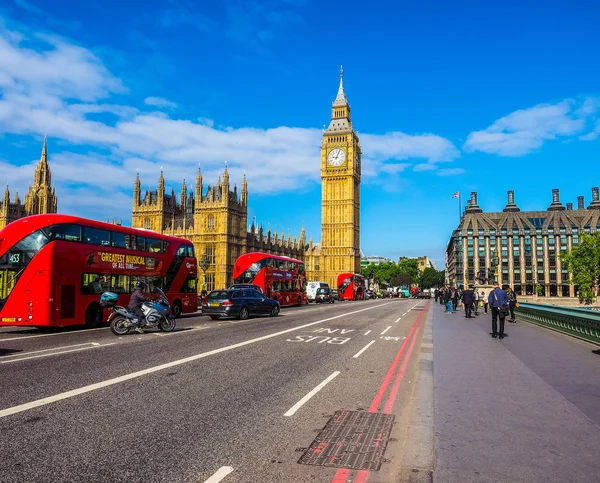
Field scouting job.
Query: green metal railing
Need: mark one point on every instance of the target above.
(577, 322)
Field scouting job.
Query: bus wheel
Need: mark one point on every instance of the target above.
(176, 309)
(299, 301)
(93, 316)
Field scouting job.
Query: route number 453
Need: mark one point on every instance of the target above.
(14, 258)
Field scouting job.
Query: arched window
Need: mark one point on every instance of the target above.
(211, 222)
(147, 224)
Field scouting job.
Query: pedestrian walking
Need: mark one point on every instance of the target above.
(483, 301)
(455, 298)
(475, 301)
(512, 303)
(467, 298)
(499, 303)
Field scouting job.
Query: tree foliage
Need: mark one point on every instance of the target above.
(430, 277)
(404, 273)
(584, 263)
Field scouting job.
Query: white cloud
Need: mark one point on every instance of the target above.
(450, 171)
(425, 167)
(159, 102)
(525, 130)
(65, 91)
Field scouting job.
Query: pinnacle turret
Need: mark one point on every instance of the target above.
(340, 99)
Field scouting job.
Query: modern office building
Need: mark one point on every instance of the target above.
(520, 249)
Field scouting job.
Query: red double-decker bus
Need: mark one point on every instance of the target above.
(280, 278)
(351, 286)
(53, 269)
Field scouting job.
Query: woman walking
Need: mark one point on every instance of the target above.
(512, 303)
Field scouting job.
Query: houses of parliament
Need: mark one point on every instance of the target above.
(40, 198)
(215, 218)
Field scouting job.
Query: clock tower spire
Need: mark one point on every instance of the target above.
(340, 175)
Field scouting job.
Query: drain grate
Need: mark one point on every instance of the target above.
(351, 439)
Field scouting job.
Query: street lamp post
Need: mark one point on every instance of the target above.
(204, 265)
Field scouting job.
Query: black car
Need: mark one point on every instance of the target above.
(240, 303)
(324, 295)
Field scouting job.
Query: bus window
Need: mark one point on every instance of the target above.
(64, 231)
(140, 244)
(190, 285)
(93, 283)
(119, 284)
(95, 236)
(191, 252)
(153, 245)
(118, 240)
(185, 251)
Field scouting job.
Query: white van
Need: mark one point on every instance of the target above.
(311, 289)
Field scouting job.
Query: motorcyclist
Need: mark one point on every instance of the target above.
(135, 304)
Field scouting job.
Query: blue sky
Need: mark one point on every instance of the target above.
(476, 96)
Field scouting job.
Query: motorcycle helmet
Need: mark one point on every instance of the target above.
(141, 285)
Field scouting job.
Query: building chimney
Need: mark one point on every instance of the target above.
(569, 206)
(510, 204)
(556, 204)
(580, 205)
(472, 206)
(595, 204)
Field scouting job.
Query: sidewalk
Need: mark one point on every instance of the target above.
(522, 409)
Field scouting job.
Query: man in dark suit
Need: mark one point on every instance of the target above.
(498, 301)
(468, 297)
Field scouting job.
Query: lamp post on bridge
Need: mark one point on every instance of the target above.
(204, 265)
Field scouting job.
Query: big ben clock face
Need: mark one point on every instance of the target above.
(336, 157)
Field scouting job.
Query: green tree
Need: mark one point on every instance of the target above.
(409, 266)
(583, 261)
(428, 278)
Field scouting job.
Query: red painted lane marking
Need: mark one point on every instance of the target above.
(341, 476)
(389, 405)
(362, 476)
(390, 373)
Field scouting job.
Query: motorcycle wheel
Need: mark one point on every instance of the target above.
(118, 326)
(167, 324)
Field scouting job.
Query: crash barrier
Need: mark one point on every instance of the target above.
(577, 322)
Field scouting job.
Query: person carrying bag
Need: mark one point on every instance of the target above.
(498, 301)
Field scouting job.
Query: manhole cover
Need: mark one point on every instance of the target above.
(351, 439)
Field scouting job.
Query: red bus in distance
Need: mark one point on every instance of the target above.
(53, 269)
(351, 286)
(281, 278)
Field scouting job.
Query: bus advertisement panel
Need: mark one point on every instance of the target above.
(53, 269)
(351, 286)
(281, 278)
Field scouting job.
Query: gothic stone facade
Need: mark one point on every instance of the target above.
(40, 198)
(215, 221)
(526, 244)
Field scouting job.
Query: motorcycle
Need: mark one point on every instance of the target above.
(156, 313)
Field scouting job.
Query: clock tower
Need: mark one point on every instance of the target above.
(340, 175)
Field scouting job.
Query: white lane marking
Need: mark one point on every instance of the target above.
(404, 314)
(386, 330)
(221, 473)
(367, 332)
(305, 399)
(398, 319)
(109, 382)
(156, 333)
(57, 333)
(47, 350)
(355, 356)
(56, 354)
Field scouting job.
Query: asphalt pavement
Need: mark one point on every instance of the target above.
(384, 391)
(232, 401)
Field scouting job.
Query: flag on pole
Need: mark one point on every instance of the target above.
(456, 195)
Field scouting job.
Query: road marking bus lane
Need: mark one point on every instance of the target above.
(357, 355)
(221, 473)
(134, 375)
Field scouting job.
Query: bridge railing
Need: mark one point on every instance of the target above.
(578, 322)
